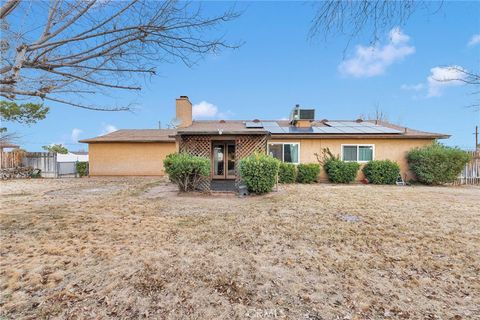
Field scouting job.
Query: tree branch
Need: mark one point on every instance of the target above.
(8, 7)
(80, 49)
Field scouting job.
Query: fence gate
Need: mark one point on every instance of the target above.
(471, 173)
(66, 169)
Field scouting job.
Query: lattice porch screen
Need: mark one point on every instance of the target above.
(245, 145)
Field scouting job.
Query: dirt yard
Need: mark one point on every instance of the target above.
(133, 248)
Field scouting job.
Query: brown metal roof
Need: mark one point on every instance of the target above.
(237, 127)
(135, 135)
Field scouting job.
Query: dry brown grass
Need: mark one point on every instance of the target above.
(131, 248)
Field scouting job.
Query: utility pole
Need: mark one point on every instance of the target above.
(476, 138)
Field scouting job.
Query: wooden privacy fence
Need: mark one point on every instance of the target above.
(11, 159)
(471, 173)
(46, 162)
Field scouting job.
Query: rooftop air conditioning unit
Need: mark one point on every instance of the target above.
(299, 113)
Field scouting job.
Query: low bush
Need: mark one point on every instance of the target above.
(82, 168)
(186, 171)
(259, 172)
(287, 173)
(437, 164)
(381, 171)
(308, 172)
(339, 171)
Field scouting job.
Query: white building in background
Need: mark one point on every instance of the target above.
(72, 157)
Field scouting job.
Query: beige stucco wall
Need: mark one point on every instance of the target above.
(391, 149)
(128, 159)
(147, 158)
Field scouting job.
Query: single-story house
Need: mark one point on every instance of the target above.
(225, 142)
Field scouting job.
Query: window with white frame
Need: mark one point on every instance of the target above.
(358, 153)
(285, 152)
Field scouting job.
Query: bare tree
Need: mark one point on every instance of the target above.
(378, 115)
(69, 50)
(7, 137)
(351, 17)
(376, 17)
(461, 75)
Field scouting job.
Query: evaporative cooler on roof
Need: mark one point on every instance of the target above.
(299, 113)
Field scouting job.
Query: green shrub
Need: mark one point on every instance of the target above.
(259, 172)
(436, 163)
(287, 173)
(308, 172)
(381, 171)
(82, 168)
(340, 171)
(186, 171)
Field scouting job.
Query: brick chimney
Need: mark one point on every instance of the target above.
(184, 111)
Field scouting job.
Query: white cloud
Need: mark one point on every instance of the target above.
(373, 60)
(397, 37)
(441, 77)
(412, 87)
(204, 110)
(108, 128)
(474, 40)
(207, 110)
(75, 134)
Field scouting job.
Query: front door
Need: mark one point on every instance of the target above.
(223, 160)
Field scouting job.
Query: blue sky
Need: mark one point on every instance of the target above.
(278, 67)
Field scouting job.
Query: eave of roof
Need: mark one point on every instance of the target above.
(170, 140)
(135, 135)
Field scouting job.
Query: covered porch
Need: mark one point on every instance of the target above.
(224, 151)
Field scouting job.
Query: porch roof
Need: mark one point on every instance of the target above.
(229, 127)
